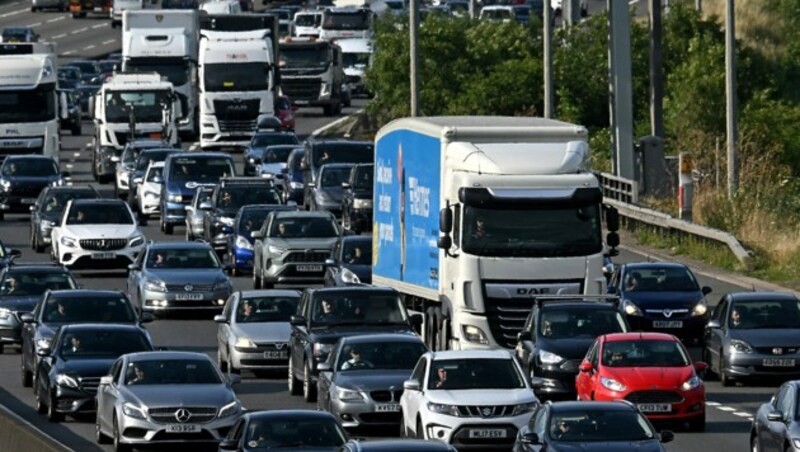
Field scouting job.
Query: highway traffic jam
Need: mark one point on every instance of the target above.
(452, 284)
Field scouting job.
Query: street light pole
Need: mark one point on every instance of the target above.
(731, 109)
(413, 28)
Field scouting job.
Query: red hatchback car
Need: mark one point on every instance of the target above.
(652, 370)
(286, 113)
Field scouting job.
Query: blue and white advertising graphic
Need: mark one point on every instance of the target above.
(407, 169)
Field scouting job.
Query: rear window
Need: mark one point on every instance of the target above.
(585, 323)
(200, 169)
(113, 308)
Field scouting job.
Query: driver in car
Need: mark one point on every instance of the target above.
(355, 361)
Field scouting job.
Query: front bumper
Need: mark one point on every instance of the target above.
(260, 358)
(16, 204)
(281, 273)
(123, 177)
(558, 380)
(751, 365)
(10, 330)
(174, 212)
(80, 258)
(456, 430)
(168, 301)
(363, 414)
(146, 431)
(72, 401)
(692, 403)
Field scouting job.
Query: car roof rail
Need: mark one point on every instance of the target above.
(16, 263)
(539, 300)
(238, 180)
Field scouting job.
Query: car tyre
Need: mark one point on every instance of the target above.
(99, 436)
(309, 390)
(118, 445)
(27, 376)
(52, 414)
(724, 379)
(294, 386)
(403, 429)
(169, 228)
(41, 408)
(231, 369)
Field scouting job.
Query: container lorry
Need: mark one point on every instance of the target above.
(476, 216)
(312, 73)
(166, 42)
(238, 77)
(28, 100)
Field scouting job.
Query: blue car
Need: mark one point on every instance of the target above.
(292, 180)
(662, 297)
(240, 242)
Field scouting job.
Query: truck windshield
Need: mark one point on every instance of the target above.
(175, 70)
(307, 20)
(34, 105)
(236, 77)
(298, 57)
(146, 105)
(355, 59)
(532, 232)
(354, 20)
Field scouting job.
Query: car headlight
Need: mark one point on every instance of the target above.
(739, 346)
(222, 284)
(136, 241)
(549, 358)
(691, 383)
(57, 183)
(43, 342)
(348, 277)
(349, 395)
(174, 198)
(442, 408)
(243, 243)
(244, 342)
(155, 286)
(253, 161)
(631, 309)
(525, 408)
(362, 203)
(5, 184)
(700, 308)
(796, 443)
(610, 383)
(321, 349)
(474, 334)
(131, 410)
(296, 185)
(69, 242)
(66, 380)
(276, 250)
(227, 221)
(151, 194)
(229, 409)
(4, 313)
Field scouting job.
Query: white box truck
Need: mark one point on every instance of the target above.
(238, 77)
(476, 216)
(166, 42)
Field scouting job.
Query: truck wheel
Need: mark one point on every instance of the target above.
(327, 110)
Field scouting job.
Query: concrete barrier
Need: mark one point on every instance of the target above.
(17, 434)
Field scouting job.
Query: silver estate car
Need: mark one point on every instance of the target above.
(165, 397)
(362, 380)
(254, 330)
(178, 276)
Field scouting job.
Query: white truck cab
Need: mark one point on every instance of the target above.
(356, 58)
(307, 23)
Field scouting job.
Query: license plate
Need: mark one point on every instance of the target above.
(28, 200)
(300, 102)
(654, 407)
(667, 324)
(488, 433)
(183, 428)
(98, 9)
(275, 355)
(387, 407)
(309, 268)
(103, 255)
(189, 296)
(778, 362)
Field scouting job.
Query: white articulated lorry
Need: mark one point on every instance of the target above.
(238, 77)
(28, 104)
(166, 42)
(476, 216)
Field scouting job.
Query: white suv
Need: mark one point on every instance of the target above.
(477, 398)
(148, 192)
(97, 233)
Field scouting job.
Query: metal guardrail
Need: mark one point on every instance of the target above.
(623, 194)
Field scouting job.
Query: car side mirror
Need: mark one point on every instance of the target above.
(229, 444)
(775, 416)
(324, 367)
(311, 185)
(666, 436)
(713, 325)
(228, 268)
(158, 179)
(411, 385)
(612, 219)
(524, 336)
(234, 379)
(346, 185)
(106, 380)
(537, 382)
(700, 368)
(220, 319)
(330, 262)
(284, 170)
(530, 438)
(707, 290)
(27, 318)
(297, 320)
(147, 317)
(256, 234)
(205, 206)
(137, 180)
(43, 352)
(134, 268)
(612, 289)
(586, 367)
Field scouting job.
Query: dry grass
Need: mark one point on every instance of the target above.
(757, 23)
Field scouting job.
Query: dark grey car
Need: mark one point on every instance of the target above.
(362, 380)
(178, 276)
(754, 334)
(776, 425)
(327, 191)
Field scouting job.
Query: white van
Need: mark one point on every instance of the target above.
(222, 7)
(307, 23)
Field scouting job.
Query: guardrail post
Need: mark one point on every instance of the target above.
(685, 189)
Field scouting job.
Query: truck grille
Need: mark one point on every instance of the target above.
(90, 384)
(654, 397)
(227, 125)
(103, 244)
(21, 146)
(197, 415)
(307, 256)
(301, 88)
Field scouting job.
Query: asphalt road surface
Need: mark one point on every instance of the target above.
(729, 409)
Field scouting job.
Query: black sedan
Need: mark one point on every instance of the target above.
(47, 210)
(357, 199)
(350, 262)
(776, 425)
(69, 371)
(22, 178)
(590, 426)
(285, 430)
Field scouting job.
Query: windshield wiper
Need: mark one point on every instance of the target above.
(294, 444)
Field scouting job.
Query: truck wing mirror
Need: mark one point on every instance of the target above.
(612, 219)
(612, 239)
(446, 220)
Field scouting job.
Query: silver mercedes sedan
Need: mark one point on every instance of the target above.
(165, 397)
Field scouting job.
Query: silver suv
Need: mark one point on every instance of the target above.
(291, 248)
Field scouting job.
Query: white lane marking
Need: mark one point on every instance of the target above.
(726, 408)
(50, 21)
(742, 414)
(14, 3)
(76, 154)
(712, 404)
(95, 27)
(62, 35)
(68, 52)
(80, 30)
(37, 24)
(108, 41)
(89, 47)
(70, 166)
(14, 13)
(88, 145)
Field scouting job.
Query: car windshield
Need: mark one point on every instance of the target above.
(575, 323)
(147, 157)
(266, 309)
(251, 220)
(178, 258)
(276, 154)
(355, 59)
(116, 213)
(11, 35)
(360, 307)
(105, 344)
(86, 67)
(32, 283)
(475, 373)
(385, 355)
(55, 202)
(78, 309)
(198, 169)
(357, 253)
(660, 279)
(132, 152)
(600, 426)
(363, 178)
(271, 139)
(294, 433)
(304, 228)
(334, 176)
(765, 314)
(30, 168)
(236, 197)
(496, 14)
(172, 372)
(644, 353)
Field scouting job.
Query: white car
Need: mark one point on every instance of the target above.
(498, 13)
(97, 233)
(221, 7)
(467, 397)
(148, 191)
(556, 6)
